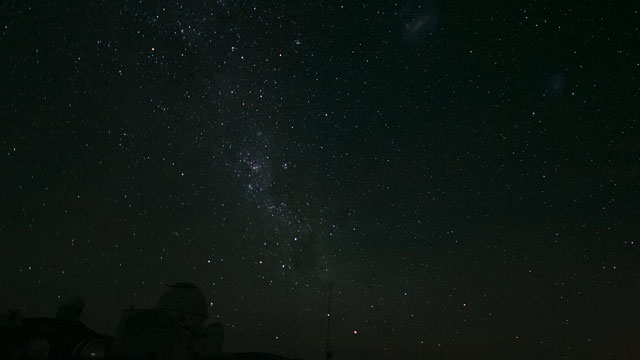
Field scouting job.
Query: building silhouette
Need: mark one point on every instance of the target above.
(174, 329)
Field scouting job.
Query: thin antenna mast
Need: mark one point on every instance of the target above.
(328, 353)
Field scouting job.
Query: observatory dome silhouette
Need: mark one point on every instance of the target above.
(185, 298)
(173, 330)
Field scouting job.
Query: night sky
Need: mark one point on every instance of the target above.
(465, 175)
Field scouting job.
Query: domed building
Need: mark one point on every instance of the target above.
(174, 329)
(187, 300)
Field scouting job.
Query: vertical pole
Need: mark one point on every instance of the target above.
(328, 353)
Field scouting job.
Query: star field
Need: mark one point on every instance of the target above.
(464, 177)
